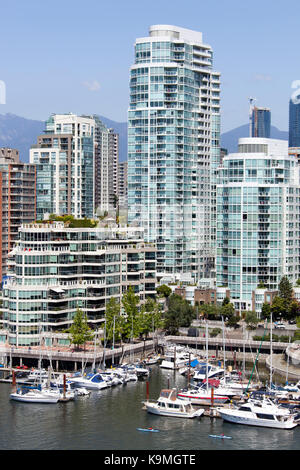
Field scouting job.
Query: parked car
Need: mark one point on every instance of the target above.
(292, 322)
(280, 325)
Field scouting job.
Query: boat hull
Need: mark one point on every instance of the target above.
(174, 414)
(203, 399)
(267, 423)
(30, 399)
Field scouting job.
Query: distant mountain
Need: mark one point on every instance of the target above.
(21, 133)
(229, 140)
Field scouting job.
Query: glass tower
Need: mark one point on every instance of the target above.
(258, 200)
(173, 136)
(294, 124)
(260, 122)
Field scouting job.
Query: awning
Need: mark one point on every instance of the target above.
(194, 363)
(59, 290)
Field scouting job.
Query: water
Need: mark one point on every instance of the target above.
(107, 420)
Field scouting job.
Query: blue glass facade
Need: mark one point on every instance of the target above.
(257, 218)
(169, 147)
(294, 124)
(261, 123)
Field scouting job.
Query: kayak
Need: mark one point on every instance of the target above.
(147, 429)
(221, 436)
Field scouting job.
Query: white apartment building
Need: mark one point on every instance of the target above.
(258, 218)
(65, 159)
(174, 147)
(55, 269)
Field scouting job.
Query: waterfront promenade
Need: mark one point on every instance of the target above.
(66, 358)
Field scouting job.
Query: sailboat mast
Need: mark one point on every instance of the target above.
(206, 334)
(271, 351)
(224, 353)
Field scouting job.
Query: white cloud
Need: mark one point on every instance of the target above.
(92, 86)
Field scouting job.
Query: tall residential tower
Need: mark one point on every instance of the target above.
(65, 158)
(258, 216)
(174, 148)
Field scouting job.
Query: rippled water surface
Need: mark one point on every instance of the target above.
(107, 420)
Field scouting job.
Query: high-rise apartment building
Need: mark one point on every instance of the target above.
(64, 157)
(123, 184)
(258, 218)
(17, 200)
(56, 269)
(106, 166)
(174, 148)
(260, 125)
(294, 124)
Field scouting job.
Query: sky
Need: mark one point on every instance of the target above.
(73, 56)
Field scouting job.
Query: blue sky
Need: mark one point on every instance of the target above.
(69, 55)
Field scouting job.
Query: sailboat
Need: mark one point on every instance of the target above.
(208, 392)
(32, 394)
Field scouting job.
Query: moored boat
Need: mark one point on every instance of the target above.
(168, 404)
(262, 413)
(34, 395)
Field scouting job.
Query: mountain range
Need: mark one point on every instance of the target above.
(20, 133)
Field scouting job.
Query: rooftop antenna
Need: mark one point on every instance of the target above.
(251, 106)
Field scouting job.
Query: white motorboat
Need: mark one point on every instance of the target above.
(64, 391)
(127, 373)
(34, 396)
(36, 376)
(237, 384)
(89, 381)
(141, 371)
(262, 413)
(151, 360)
(175, 360)
(169, 405)
(206, 370)
(112, 377)
(205, 395)
(137, 369)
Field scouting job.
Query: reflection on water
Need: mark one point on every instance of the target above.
(107, 420)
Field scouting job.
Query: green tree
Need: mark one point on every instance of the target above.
(251, 320)
(164, 290)
(79, 331)
(227, 310)
(294, 310)
(279, 308)
(150, 317)
(179, 314)
(266, 311)
(130, 303)
(285, 289)
(210, 311)
(114, 321)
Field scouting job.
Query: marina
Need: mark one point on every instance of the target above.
(115, 418)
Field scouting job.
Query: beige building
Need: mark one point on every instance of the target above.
(17, 199)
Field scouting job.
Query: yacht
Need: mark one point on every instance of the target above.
(262, 412)
(36, 376)
(209, 371)
(206, 394)
(34, 395)
(127, 373)
(175, 360)
(89, 381)
(169, 405)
